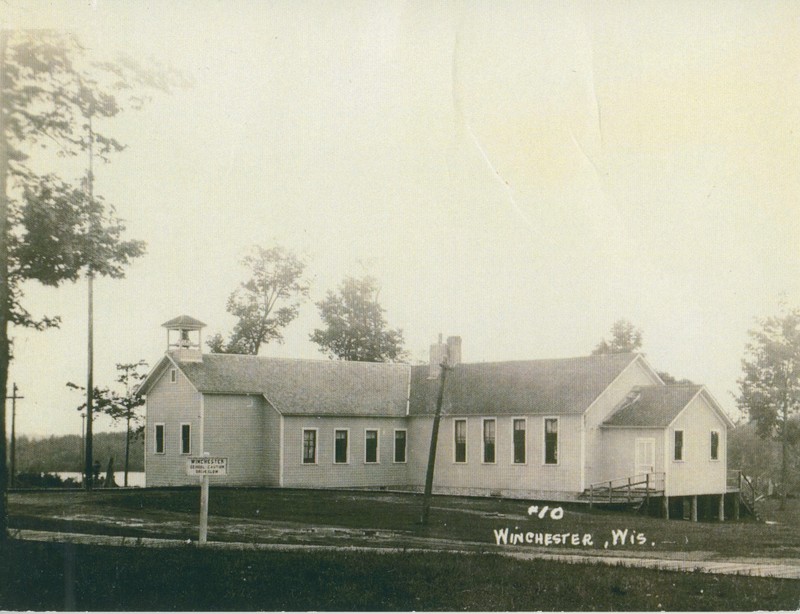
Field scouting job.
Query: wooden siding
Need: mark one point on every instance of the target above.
(599, 460)
(236, 427)
(356, 473)
(618, 450)
(170, 404)
(503, 476)
(697, 474)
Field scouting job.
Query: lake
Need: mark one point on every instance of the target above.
(135, 478)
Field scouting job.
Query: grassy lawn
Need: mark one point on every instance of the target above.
(46, 576)
(303, 516)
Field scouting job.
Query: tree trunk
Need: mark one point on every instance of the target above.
(127, 444)
(4, 292)
(784, 452)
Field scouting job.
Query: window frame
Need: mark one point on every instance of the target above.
(173, 376)
(675, 446)
(714, 457)
(484, 422)
(456, 421)
(405, 446)
(346, 460)
(377, 446)
(309, 429)
(180, 435)
(524, 442)
(163, 438)
(545, 420)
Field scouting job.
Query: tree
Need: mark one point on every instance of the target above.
(769, 388)
(124, 405)
(355, 326)
(44, 77)
(119, 405)
(266, 303)
(625, 337)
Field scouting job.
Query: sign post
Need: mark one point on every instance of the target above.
(205, 466)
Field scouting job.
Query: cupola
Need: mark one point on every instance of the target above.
(184, 338)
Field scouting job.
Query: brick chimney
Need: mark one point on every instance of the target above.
(450, 351)
(453, 351)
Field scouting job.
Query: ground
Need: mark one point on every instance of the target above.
(345, 519)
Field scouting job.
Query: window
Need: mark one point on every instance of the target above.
(309, 446)
(371, 446)
(340, 446)
(173, 376)
(714, 445)
(460, 433)
(519, 441)
(186, 438)
(678, 445)
(159, 439)
(400, 446)
(489, 436)
(551, 441)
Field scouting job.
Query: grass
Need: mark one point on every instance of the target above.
(46, 576)
(303, 516)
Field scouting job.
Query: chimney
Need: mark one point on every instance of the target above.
(450, 351)
(453, 351)
(438, 354)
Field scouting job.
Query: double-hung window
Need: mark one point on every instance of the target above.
(551, 441)
(714, 445)
(489, 439)
(678, 455)
(186, 438)
(400, 436)
(371, 446)
(159, 439)
(309, 446)
(460, 440)
(340, 453)
(519, 441)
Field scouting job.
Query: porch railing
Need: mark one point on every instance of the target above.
(627, 489)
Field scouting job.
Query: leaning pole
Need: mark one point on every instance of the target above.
(426, 502)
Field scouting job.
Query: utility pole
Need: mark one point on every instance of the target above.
(89, 452)
(83, 424)
(426, 502)
(14, 398)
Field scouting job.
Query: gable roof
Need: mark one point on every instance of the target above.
(556, 386)
(293, 386)
(653, 406)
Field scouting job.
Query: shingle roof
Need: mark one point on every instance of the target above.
(318, 387)
(559, 386)
(655, 406)
(184, 321)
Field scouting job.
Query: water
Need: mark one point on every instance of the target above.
(135, 478)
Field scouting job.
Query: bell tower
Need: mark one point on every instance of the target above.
(184, 338)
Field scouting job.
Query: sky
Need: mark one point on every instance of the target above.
(521, 174)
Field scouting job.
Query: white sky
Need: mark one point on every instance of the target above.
(521, 174)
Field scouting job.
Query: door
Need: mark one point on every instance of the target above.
(645, 455)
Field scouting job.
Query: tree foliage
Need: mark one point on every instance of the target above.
(50, 91)
(355, 325)
(625, 337)
(121, 404)
(769, 388)
(264, 304)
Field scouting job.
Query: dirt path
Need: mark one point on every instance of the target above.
(773, 568)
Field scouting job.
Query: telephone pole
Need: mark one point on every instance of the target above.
(14, 398)
(426, 501)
